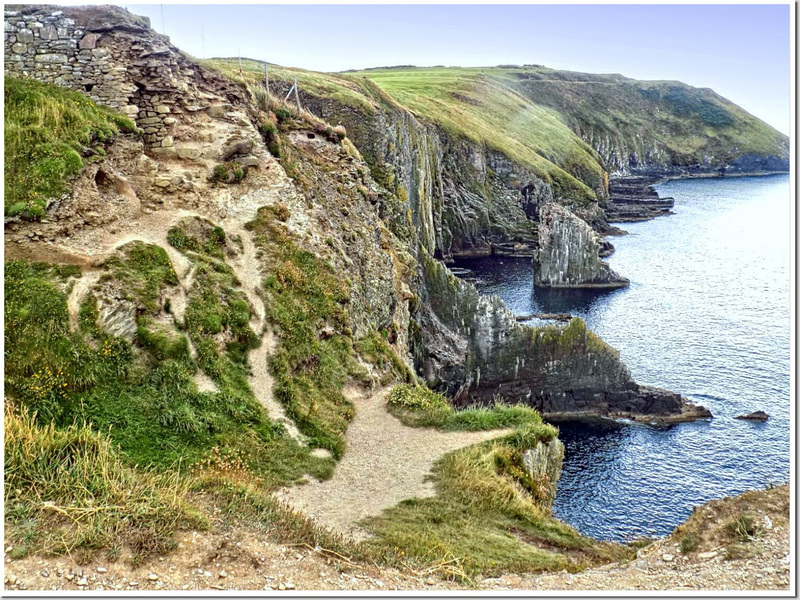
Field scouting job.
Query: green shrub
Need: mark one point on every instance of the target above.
(227, 173)
(283, 115)
(743, 528)
(689, 543)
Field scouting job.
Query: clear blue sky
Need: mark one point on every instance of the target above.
(740, 51)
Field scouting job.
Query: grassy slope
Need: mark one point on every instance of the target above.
(133, 431)
(466, 104)
(540, 117)
(685, 120)
(49, 132)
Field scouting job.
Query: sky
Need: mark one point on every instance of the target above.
(740, 51)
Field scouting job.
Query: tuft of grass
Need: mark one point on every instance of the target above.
(418, 406)
(743, 528)
(68, 491)
(49, 133)
(228, 172)
(689, 543)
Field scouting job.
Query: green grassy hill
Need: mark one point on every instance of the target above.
(566, 127)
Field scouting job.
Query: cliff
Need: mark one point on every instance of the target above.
(569, 253)
(379, 223)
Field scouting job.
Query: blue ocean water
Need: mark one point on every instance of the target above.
(707, 314)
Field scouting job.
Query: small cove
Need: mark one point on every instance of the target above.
(707, 315)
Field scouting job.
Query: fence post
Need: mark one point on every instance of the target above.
(297, 96)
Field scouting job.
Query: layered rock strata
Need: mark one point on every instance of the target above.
(569, 253)
(635, 199)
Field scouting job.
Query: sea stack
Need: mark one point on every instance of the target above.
(569, 253)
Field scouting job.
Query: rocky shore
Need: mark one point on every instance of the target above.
(634, 199)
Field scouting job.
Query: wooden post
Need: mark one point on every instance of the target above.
(297, 96)
(266, 78)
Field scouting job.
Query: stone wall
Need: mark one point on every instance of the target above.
(114, 58)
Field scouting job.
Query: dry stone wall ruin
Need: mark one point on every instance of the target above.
(114, 58)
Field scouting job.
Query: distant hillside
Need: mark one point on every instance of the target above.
(564, 126)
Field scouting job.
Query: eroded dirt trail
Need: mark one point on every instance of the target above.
(385, 462)
(152, 229)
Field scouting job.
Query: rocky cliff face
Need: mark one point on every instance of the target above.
(569, 253)
(455, 198)
(420, 194)
(543, 463)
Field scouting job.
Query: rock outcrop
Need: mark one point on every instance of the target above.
(472, 348)
(569, 253)
(633, 198)
(758, 415)
(543, 463)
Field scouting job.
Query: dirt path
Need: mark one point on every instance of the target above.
(261, 383)
(78, 292)
(385, 462)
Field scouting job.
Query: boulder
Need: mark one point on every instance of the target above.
(758, 415)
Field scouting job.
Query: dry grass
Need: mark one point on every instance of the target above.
(67, 491)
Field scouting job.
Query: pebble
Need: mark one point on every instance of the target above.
(82, 581)
(102, 570)
(667, 557)
(289, 586)
(707, 555)
(223, 574)
(152, 577)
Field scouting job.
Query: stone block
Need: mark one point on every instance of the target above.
(50, 58)
(25, 36)
(18, 48)
(49, 33)
(89, 41)
(167, 142)
(162, 109)
(189, 152)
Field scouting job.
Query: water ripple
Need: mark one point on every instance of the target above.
(706, 315)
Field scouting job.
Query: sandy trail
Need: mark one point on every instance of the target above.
(385, 462)
(261, 383)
